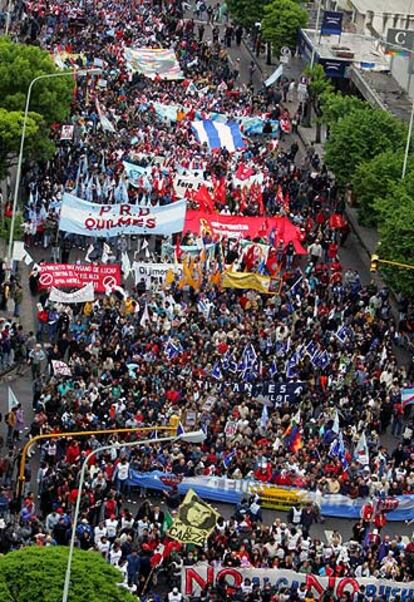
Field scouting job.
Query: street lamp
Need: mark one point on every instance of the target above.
(191, 437)
(80, 72)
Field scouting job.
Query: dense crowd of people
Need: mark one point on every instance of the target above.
(148, 355)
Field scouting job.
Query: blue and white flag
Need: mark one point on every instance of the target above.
(249, 355)
(228, 458)
(361, 453)
(134, 172)
(264, 418)
(216, 372)
(219, 135)
(180, 429)
(337, 450)
(172, 349)
(342, 334)
(291, 367)
(321, 360)
(407, 396)
(273, 369)
(311, 349)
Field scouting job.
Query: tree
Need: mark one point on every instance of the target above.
(247, 12)
(318, 85)
(38, 145)
(11, 123)
(281, 22)
(19, 65)
(360, 136)
(335, 106)
(396, 227)
(38, 574)
(374, 179)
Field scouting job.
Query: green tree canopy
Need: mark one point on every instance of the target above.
(11, 123)
(396, 227)
(374, 179)
(335, 106)
(38, 574)
(19, 65)
(281, 22)
(247, 12)
(319, 84)
(360, 136)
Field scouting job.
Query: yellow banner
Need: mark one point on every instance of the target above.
(249, 280)
(194, 521)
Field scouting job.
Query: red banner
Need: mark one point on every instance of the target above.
(240, 226)
(68, 275)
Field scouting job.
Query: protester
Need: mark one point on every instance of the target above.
(154, 354)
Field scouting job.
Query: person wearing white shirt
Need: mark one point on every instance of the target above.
(103, 546)
(100, 531)
(115, 554)
(121, 475)
(111, 525)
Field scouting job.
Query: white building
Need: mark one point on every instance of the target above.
(375, 17)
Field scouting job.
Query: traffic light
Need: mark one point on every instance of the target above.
(374, 263)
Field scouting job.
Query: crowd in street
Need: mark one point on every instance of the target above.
(147, 355)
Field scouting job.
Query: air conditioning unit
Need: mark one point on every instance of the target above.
(343, 52)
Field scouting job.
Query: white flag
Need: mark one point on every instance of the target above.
(335, 426)
(144, 247)
(60, 368)
(105, 253)
(274, 77)
(28, 259)
(89, 251)
(12, 400)
(126, 264)
(361, 453)
(145, 316)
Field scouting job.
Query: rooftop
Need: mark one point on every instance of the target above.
(392, 7)
(383, 91)
(359, 49)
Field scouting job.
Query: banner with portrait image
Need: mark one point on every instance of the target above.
(194, 521)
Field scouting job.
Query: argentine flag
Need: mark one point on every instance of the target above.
(219, 135)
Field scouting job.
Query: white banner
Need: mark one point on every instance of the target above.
(91, 219)
(190, 182)
(275, 76)
(86, 293)
(195, 578)
(154, 272)
(60, 368)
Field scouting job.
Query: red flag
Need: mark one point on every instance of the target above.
(163, 551)
(203, 198)
(287, 202)
(279, 196)
(177, 252)
(219, 190)
(243, 172)
(337, 221)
